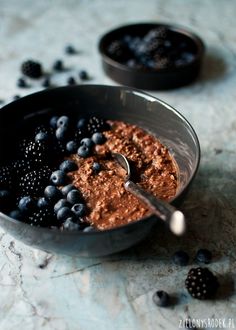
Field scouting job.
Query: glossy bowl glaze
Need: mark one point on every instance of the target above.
(166, 78)
(116, 103)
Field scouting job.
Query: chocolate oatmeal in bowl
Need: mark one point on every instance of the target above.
(61, 189)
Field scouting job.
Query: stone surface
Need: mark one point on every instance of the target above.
(41, 291)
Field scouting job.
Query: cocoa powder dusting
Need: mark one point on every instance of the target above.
(109, 204)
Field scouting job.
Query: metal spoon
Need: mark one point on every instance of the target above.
(166, 212)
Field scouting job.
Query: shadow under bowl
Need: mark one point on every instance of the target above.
(115, 103)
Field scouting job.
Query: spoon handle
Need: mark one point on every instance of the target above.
(163, 210)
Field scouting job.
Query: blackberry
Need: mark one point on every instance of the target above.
(37, 152)
(42, 218)
(31, 69)
(33, 183)
(201, 283)
(96, 125)
(44, 129)
(6, 177)
(21, 167)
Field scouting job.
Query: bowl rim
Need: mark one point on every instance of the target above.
(173, 27)
(136, 92)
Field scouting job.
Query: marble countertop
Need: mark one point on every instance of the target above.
(42, 291)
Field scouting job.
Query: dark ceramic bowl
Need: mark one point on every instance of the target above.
(117, 103)
(166, 78)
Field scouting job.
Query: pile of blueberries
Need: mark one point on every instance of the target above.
(35, 187)
(159, 48)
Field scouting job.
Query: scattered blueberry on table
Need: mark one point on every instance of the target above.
(161, 298)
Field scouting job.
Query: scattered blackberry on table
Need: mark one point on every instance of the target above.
(68, 166)
(161, 298)
(32, 69)
(79, 209)
(201, 283)
(6, 177)
(74, 196)
(180, 258)
(58, 178)
(58, 65)
(33, 183)
(203, 256)
(43, 217)
(52, 193)
(22, 83)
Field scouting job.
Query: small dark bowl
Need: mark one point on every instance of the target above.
(116, 103)
(166, 78)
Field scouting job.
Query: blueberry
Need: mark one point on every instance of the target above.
(58, 178)
(41, 137)
(16, 97)
(52, 193)
(82, 123)
(88, 229)
(74, 196)
(65, 190)
(70, 50)
(180, 258)
(61, 133)
(96, 167)
(58, 65)
(87, 142)
(53, 121)
(203, 256)
(71, 81)
(64, 213)
(63, 121)
(98, 138)
(68, 166)
(21, 83)
(26, 204)
(79, 209)
(16, 214)
(161, 298)
(83, 75)
(70, 225)
(71, 147)
(83, 151)
(42, 203)
(61, 203)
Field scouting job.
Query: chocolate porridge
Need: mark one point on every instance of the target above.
(109, 204)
